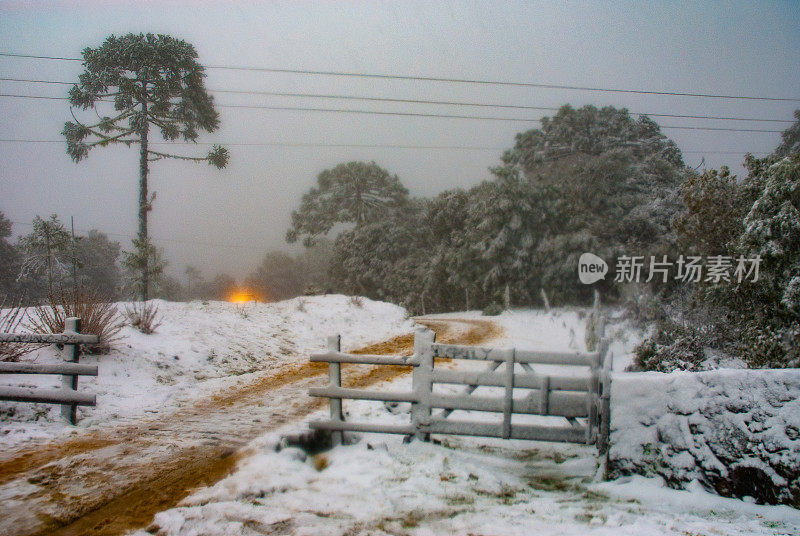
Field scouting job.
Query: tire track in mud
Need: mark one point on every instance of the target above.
(109, 482)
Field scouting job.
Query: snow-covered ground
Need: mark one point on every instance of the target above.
(200, 348)
(458, 485)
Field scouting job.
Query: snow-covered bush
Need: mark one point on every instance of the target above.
(143, 316)
(684, 353)
(98, 317)
(493, 309)
(735, 431)
(674, 346)
(10, 319)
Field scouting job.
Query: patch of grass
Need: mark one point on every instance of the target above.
(528, 454)
(459, 499)
(506, 494)
(551, 483)
(595, 496)
(410, 519)
(320, 462)
(588, 517)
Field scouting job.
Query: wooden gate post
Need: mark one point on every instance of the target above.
(422, 382)
(335, 380)
(72, 353)
(508, 399)
(605, 398)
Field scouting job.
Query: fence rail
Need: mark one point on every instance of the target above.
(569, 397)
(70, 370)
(50, 338)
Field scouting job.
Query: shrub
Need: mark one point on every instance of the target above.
(771, 345)
(143, 316)
(493, 309)
(671, 348)
(10, 319)
(98, 317)
(357, 301)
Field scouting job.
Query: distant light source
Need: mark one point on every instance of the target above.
(242, 297)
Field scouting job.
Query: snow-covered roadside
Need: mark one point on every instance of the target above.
(200, 347)
(457, 485)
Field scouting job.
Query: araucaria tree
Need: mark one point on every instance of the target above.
(149, 81)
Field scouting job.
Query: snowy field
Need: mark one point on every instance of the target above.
(455, 485)
(200, 348)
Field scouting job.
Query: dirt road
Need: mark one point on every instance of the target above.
(110, 481)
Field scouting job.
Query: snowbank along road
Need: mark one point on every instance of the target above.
(110, 481)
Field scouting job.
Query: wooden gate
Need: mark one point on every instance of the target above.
(68, 396)
(581, 398)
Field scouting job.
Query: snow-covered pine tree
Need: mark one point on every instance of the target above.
(45, 253)
(615, 180)
(355, 192)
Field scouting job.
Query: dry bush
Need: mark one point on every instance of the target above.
(98, 317)
(10, 320)
(143, 316)
(357, 301)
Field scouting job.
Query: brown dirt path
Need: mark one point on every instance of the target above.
(111, 481)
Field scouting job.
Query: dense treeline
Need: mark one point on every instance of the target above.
(589, 179)
(49, 261)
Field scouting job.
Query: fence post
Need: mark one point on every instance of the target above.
(335, 380)
(508, 400)
(544, 396)
(421, 382)
(72, 353)
(593, 401)
(605, 398)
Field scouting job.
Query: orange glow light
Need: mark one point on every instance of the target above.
(243, 296)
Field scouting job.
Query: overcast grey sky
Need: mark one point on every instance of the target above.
(226, 220)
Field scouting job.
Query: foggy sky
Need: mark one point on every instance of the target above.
(226, 220)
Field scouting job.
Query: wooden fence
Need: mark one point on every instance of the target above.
(67, 396)
(583, 400)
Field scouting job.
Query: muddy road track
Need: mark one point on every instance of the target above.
(109, 481)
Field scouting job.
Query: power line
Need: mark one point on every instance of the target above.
(411, 114)
(453, 80)
(173, 240)
(330, 110)
(422, 101)
(358, 145)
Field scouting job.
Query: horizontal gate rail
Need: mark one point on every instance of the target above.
(76, 369)
(361, 394)
(454, 351)
(581, 399)
(567, 434)
(358, 359)
(47, 396)
(521, 381)
(562, 404)
(50, 338)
